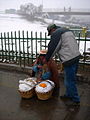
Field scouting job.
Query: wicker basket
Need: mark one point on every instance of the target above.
(44, 96)
(27, 94)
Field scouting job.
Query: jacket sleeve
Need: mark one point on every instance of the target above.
(55, 42)
(55, 39)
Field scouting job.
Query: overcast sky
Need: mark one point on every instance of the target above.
(4, 4)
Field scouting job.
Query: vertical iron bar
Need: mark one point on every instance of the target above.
(40, 41)
(8, 46)
(45, 40)
(27, 48)
(12, 47)
(5, 46)
(2, 47)
(79, 40)
(36, 45)
(23, 48)
(85, 50)
(15, 47)
(32, 46)
(19, 48)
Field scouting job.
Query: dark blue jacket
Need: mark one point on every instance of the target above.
(63, 43)
(55, 39)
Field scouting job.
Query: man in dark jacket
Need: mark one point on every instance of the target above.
(65, 45)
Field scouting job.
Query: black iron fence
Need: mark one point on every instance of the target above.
(22, 47)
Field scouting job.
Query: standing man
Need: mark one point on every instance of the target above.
(63, 43)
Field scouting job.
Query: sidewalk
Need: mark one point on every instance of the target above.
(12, 107)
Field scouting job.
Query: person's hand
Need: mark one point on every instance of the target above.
(39, 80)
(36, 68)
(39, 66)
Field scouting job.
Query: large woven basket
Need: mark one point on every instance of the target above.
(27, 94)
(45, 95)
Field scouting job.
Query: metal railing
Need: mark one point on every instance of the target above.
(22, 47)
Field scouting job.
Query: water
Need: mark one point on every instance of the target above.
(12, 22)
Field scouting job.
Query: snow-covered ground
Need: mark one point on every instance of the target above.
(10, 22)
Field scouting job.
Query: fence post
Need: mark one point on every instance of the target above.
(84, 30)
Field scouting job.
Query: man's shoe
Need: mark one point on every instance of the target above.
(64, 97)
(72, 103)
(76, 104)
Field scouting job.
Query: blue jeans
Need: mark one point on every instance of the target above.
(70, 82)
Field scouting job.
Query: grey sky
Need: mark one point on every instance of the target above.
(4, 4)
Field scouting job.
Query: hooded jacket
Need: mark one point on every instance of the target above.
(63, 43)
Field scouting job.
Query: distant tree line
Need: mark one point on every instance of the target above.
(30, 10)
